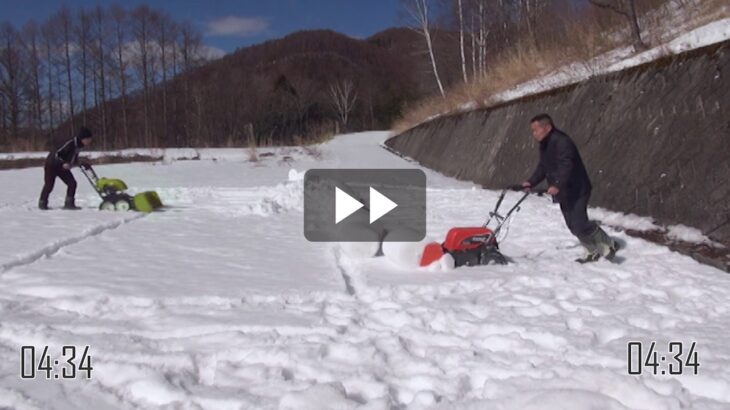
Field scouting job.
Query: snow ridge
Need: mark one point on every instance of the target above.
(51, 249)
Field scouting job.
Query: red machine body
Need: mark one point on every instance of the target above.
(476, 245)
(458, 240)
(465, 239)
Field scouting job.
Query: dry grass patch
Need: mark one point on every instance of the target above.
(523, 63)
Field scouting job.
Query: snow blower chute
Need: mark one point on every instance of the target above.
(114, 196)
(472, 246)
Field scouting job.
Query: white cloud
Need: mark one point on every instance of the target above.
(210, 52)
(234, 26)
(131, 52)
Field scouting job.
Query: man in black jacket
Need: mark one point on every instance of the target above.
(59, 163)
(568, 183)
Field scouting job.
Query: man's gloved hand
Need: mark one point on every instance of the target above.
(526, 186)
(66, 166)
(553, 190)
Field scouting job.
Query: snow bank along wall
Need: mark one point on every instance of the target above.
(655, 139)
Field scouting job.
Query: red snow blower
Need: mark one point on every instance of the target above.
(473, 246)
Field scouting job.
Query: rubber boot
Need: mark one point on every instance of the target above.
(598, 244)
(42, 205)
(605, 244)
(592, 254)
(70, 204)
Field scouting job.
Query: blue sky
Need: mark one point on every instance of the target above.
(235, 23)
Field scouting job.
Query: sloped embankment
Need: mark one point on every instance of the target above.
(655, 139)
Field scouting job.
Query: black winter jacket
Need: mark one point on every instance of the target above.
(66, 153)
(561, 165)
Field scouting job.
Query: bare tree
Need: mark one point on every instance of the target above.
(119, 17)
(343, 97)
(99, 52)
(64, 18)
(31, 33)
(479, 33)
(190, 41)
(163, 38)
(3, 119)
(461, 40)
(482, 40)
(82, 42)
(153, 68)
(12, 76)
(48, 32)
(626, 8)
(141, 19)
(174, 53)
(418, 10)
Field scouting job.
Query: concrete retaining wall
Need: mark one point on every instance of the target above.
(655, 139)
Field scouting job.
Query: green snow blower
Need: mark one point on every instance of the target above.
(114, 196)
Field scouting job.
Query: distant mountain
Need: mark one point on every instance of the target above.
(279, 92)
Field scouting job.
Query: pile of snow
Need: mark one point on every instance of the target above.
(622, 220)
(329, 396)
(688, 234)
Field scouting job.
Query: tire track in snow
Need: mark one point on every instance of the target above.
(53, 248)
(10, 205)
(346, 277)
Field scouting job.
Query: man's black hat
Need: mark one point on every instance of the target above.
(84, 133)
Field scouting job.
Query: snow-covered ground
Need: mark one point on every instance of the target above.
(219, 302)
(167, 154)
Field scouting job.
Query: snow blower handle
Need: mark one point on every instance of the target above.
(501, 219)
(89, 173)
(495, 213)
(530, 190)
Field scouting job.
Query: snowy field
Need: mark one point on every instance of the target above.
(219, 302)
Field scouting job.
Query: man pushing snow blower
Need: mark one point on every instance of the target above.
(568, 183)
(58, 165)
(112, 191)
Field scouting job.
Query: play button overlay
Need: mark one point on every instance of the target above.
(379, 205)
(345, 205)
(364, 205)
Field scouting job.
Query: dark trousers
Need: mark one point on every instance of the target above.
(50, 172)
(575, 212)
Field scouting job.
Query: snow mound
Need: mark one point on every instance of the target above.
(238, 202)
(360, 250)
(329, 396)
(621, 220)
(406, 255)
(295, 176)
(687, 234)
(566, 399)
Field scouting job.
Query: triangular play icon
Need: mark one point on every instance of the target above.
(345, 205)
(379, 205)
